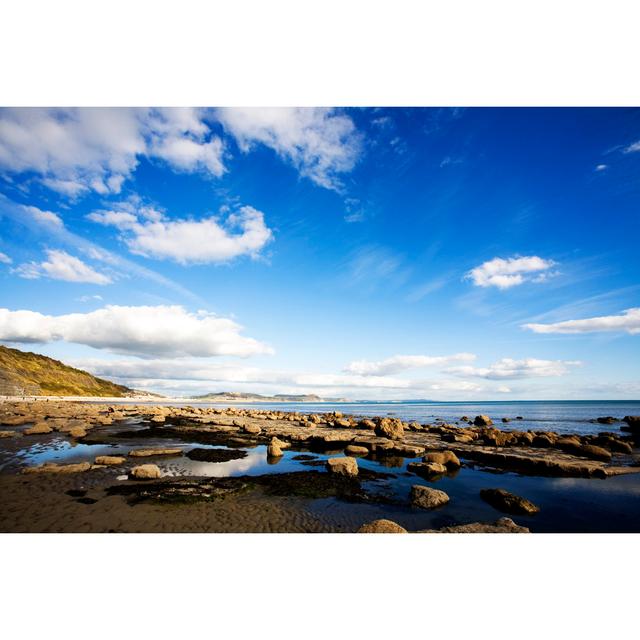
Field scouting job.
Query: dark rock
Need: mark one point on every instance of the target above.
(482, 421)
(607, 420)
(215, 455)
(508, 502)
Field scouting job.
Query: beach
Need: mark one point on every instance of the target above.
(105, 466)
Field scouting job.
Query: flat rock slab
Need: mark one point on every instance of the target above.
(147, 453)
(427, 498)
(503, 525)
(508, 502)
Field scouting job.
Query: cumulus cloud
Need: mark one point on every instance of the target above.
(510, 369)
(77, 150)
(399, 363)
(150, 233)
(145, 331)
(628, 321)
(61, 266)
(632, 148)
(44, 218)
(5, 259)
(320, 143)
(505, 273)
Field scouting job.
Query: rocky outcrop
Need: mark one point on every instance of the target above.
(508, 502)
(427, 498)
(146, 472)
(343, 466)
(447, 458)
(38, 429)
(274, 450)
(482, 421)
(391, 428)
(427, 469)
(382, 526)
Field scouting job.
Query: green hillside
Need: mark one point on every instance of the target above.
(25, 373)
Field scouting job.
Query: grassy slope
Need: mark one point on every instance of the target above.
(40, 375)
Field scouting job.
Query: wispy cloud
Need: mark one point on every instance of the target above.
(510, 369)
(61, 266)
(628, 321)
(399, 363)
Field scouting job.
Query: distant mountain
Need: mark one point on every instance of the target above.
(236, 396)
(26, 373)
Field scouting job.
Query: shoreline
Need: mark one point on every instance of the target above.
(212, 462)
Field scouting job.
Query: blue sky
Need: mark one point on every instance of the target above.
(361, 253)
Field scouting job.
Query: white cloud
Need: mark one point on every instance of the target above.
(5, 259)
(149, 233)
(61, 266)
(510, 369)
(399, 363)
(77, 150)
(90, 298)
(503, 389)
(45, 218)
(601, 167)
(633, 147)
(145, 331)
(456, 385)
(320, 143)
(509, 272)
(628, 321)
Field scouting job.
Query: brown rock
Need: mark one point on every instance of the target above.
(253, 429)
(390, 428)
(502, 525)
(77, 432)
(343, 466)
(8, 434)
(38, 429)
(427, 498)
(483, 421)
(147, 453)
(508, 502)
(109, 460)
(51, 467)
(447, 458)
(355, 450)
(146, 472)
(382, 526)
(594, 452)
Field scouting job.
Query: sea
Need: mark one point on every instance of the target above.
(562, 416)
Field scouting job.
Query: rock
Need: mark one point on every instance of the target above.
(427, 469)
(427, 498)
(355, 450)
(517, 418)
(506, 419)
(253, 429)
(51, 467)
(390, 428)
(447, 458)
(8, 434)
(407, 450)
(109, 460)
(366, 424)
(37, 429)
(542, 441)
(633, 423)
(594, 452)
(146, 472)
(502, 525)
(343, 466)
(483, 421)
(342, 422)
(77, 432)
(464, 419)
(382, 526)
(508, 502)
(147, 453)
(607, 420)
(274, 450)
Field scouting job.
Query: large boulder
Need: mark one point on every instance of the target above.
(594, 452)
(146, 472)
(390, 428)
(274, 450)
(427, 498)
(343, 466)
(633, 423)
(482, 421)
(508, 502)
(382, 526)
(447, 458)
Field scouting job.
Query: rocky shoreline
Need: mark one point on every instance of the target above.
(339, 442)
